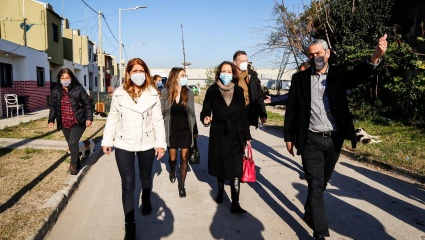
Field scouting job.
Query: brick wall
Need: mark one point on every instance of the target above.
(35, 97)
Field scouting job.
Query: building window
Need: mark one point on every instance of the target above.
(55, 32)
(40, 77)
(85, 80)
(6, 74)
(95, 81)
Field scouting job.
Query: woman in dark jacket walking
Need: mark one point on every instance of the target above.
(71, 107)
(229, 131)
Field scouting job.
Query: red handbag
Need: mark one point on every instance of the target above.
(249, 174)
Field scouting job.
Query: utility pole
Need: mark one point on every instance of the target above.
(100, 56)
(184, 54)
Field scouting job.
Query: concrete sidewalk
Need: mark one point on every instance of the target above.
(362, 203)
(14, 121)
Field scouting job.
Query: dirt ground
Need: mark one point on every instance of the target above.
(29, 177)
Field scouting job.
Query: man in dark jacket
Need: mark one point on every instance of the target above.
(317, 120)
(253, 94)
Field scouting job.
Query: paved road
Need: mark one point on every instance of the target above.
(362, 203)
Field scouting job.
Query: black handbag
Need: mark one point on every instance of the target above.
(194, 156)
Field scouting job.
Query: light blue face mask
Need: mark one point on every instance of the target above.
(226, 78)
(159, 84)
(183, 81)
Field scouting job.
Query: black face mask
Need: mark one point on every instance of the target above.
(318, 62)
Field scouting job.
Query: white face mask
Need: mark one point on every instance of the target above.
(138, 78)
(66, 83)
(183, 81)
(243, 66)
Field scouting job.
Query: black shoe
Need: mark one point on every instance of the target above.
(72, 169)
(236, 208)
(130, 231)
(173, 176)
(302, 176)
(182, 192)
(320, 237)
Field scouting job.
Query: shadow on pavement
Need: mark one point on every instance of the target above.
(280, 211)
(393, 206)
(161, 220)
(348, 220)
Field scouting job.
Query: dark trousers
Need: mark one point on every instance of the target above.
(72, 137)
(319, 157)
(125, 163)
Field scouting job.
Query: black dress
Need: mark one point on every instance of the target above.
(180, 136)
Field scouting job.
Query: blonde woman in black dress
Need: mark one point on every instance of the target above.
(178, 109)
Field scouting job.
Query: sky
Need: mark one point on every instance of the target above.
(212, 30)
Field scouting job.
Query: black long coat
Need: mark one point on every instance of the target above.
(228, 133)
(297, 115)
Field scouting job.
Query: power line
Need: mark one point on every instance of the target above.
(89, 6)
(109, 28)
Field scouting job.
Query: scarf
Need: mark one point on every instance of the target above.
(226, 91)
(244, 85)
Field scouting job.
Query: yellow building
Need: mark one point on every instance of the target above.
(33, 24)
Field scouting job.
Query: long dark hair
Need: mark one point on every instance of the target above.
(74, 80)
(172, 86)
(235, 77)
(128, 84)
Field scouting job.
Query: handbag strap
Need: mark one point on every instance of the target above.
(249, 151)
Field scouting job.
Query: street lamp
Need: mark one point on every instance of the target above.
(132, 45)
(119, 33)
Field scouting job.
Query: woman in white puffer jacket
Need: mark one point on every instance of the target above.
(135, 126)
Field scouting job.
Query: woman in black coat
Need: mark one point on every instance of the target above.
(229, 131)
(71, 107)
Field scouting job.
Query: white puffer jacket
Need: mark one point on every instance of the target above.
(135, 127)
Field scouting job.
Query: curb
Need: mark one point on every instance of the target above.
(67, 194)
(407, 173)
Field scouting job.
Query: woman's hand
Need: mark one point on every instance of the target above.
(51, 125)
(106, 150)
(207, 120)
(88, 123)
(159, 152)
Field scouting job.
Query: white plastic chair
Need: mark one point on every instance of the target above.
(12, 102)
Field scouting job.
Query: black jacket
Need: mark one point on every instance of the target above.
(81, 104)
(256, 107)
(297, 115)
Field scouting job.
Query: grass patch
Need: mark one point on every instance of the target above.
(25, 189)
(39, 129)
(29, 177)
(402, 146)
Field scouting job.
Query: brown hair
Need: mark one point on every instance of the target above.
(128, 84)
(172, 86)
(235, 77)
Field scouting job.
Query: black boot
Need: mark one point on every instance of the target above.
(172, 175)
(146, 202)
(235, 190)
(219, 198)
(130, 231)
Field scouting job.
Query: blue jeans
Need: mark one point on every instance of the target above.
(319, 157)
(125, 163)
(72, 137)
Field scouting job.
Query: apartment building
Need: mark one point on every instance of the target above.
(35, 44)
